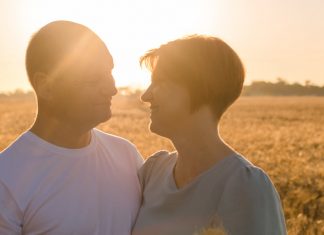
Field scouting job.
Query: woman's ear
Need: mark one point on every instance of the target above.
(43, 85)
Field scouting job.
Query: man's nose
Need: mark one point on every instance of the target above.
(109, 87)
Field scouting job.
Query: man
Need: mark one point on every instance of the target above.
(63, 176)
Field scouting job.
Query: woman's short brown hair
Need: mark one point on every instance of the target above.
(208, 67)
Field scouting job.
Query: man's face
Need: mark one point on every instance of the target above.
(84, 91)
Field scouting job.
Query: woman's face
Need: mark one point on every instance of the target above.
(169, 104)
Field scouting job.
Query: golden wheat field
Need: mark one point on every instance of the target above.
(283, 135)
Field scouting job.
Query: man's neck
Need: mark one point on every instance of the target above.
(60, 133)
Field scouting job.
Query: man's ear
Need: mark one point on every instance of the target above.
(43, 85)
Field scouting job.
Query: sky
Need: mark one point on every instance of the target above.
(277, 38)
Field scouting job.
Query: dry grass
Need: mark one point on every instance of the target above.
(284, 136)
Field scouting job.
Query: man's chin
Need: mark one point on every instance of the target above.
(103, 118)
(106, 117)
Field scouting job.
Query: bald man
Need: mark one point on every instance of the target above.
(63, 176)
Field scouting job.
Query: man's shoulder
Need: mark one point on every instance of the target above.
(119, 145)
(12, 158)
(15, 147)
(106, 137)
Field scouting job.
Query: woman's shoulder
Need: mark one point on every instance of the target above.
(157, 163)
(159, 158)
(248, 196)
(246, 169)
(246, 177)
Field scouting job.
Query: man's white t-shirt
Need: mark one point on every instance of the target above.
(46, 189)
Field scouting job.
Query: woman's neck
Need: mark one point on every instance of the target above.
(199, 148)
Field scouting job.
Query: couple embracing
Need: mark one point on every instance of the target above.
(63, 176)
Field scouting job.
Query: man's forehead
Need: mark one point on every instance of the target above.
(87, 66)
(110, 61)
(100, 56)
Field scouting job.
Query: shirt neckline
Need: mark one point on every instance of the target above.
(199, 177)
(47, 146)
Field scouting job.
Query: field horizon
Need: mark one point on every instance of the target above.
(282, 135)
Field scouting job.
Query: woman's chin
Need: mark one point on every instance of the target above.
(158, 129)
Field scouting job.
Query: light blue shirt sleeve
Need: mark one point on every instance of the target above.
(251, 206)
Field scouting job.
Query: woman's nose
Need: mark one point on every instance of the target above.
(147, 95)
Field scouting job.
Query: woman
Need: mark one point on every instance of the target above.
(205, 183)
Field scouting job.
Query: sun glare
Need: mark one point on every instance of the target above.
(129, 28)
(268, 45)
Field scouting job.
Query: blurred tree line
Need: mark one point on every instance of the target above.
(282, 88)
(257, 88)
(18, 93)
